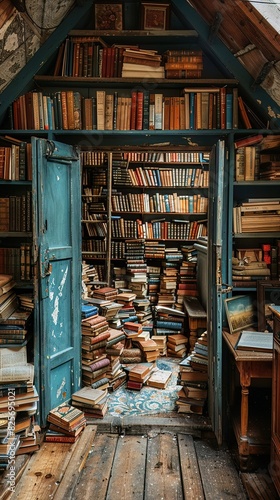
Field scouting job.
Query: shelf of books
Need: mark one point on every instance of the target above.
(256, 209)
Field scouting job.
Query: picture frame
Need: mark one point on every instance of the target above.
(241, 313)
(155, 16)
(108, 16)
(268, 293)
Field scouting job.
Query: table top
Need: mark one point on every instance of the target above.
(242, 355)
(275, 310)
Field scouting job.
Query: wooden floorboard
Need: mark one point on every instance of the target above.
(219, 477)
(191, 480)
(156, 465)
(163, 476)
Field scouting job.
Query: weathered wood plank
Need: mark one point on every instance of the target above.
(259, 486)
(45, 471)
(163, 468)
(128, 471)
(218, 474)
(94, 478)
(190, 474)
(5, 484)
(77, 463)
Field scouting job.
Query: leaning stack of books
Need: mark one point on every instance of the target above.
(168, 321)
(161, 341)
(8, 298)
(143, 63)
(132, 329)
(94, 340)
(93, 402)
(65, 421)
(177, 345)
(138, 375)
(149, 348)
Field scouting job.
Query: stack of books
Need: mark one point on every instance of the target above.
(132, 329)
(191, 400)
(161, 341)
(168, 321)
(257, 215)
(136, 267)
(138, 375)
(16, 329)
(8, 298)
(18, 394)
(177, 345)
(249, 269)
(198, 358)
(153, 283)
(183, 63)
(95, 334)
(145, 63)
(131, 355)
(149, 348)
(65, 421)
(106, 293)
(93, 402)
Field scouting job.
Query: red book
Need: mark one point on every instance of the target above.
(139, 110)
(100, 337)
(248, 141)
(131, 384)
(133, 110)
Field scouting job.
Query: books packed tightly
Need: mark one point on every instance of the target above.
(18, 394)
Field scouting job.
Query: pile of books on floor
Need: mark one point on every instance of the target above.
(177, 345)
(193, 377)
(66, 422)
(168, 321)
(159, 378)
(93, 402)
(16, 329)
(138, 374)
(18, 394)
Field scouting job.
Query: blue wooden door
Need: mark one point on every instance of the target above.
(57, 222)
(217, 272)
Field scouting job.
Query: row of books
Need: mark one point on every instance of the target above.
(16, 213)
(17, 262)
(212, 108)
(163, 156)
(92, 57)
(251, 164)
(149, 177)
(257, 215)
(154, 203)
(15, 161)
(161, 229)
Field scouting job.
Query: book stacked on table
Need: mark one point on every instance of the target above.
(177, 345)
(65, 420)
(93, 402)
(138, 375)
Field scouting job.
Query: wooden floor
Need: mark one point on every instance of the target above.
(161, 463)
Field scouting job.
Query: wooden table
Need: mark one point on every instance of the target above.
(250, 364)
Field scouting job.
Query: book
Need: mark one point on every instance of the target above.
(255, 341)
(66, 416)
(88, 395)
(159, 379)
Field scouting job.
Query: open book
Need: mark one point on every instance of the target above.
(255, 341)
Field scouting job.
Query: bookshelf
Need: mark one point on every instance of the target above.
(255, 218)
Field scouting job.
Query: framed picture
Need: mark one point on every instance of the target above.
(154, 16)
(241, 312)
(268, 293)
(108, 16)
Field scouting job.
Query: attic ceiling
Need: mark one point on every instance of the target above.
(26, 24)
